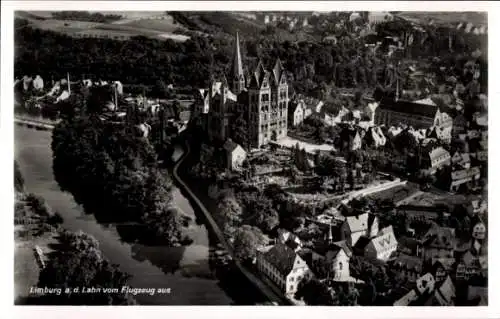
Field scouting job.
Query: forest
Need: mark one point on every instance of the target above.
(312, 66)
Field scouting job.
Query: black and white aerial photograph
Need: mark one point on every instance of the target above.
(259, 158)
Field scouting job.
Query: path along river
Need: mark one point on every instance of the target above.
(186, 270)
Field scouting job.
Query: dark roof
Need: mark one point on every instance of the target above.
(409, 262)
(282, 257)
(230, 146)
(325, 247)
(293, 105)
(409, 107)
(441, 237)
(292, 243)
(362, 242)
(408, 243)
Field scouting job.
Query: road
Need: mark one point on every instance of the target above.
(253, 278)
(186, 270)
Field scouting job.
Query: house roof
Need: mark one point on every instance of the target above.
(409, 243)
(446, 263)
(446, 291)
(335, 247)
(384, 239)
(441, 237)
(357, 223)
(230, 146)
(282, 257)
(361, 244)
(464, 173)
(410, 108)
(438, 152)
(409, 262)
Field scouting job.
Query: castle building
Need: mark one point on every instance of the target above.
(261, 98)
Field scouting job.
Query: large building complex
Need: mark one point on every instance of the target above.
(261, 97)
(418, 114)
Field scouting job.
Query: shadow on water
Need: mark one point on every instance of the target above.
(168, 259)
(229, 277)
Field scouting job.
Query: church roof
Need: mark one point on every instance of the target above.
(410, 108)
(278, 71)
(237, 65)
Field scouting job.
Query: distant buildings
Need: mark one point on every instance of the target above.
(375, 18)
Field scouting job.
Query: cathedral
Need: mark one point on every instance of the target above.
(261, 97)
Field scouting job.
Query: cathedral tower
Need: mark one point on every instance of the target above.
(237, 77)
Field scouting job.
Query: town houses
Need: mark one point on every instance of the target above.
(333, 178)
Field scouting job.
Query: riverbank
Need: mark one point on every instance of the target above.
(205, 204)
(187, 270)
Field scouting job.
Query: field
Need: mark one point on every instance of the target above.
(136, 24)
(475, 18)
(164, 25)
(26, 269)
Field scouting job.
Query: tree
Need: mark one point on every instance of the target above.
(239, 129)
(79, 265)
(259, 211)
(113, 173)
(246, 241)
(315, 293)
(228, 213)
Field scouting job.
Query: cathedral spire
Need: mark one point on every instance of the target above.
(237, 76)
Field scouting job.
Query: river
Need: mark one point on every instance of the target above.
(185, 270)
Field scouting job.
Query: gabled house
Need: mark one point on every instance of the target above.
(409, 267)
(438, 242)
(477, 207)
(460, 125)
(296, 112)
(382, 246)
(444, 295)
(470, 266)
(289, 239)
(479, 231)
(354, 227)
(425, 285)
(436, 158)
(461, 160)
(235, 155)
(351, 138)
(442, 267)
(464, 176)
(374, 137)
(283, 266)
(440, 133)
(335, 256)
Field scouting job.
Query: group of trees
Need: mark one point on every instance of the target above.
(112, 171)
(86, 16)
(79, 263)
(323, 293)
(312, 66)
